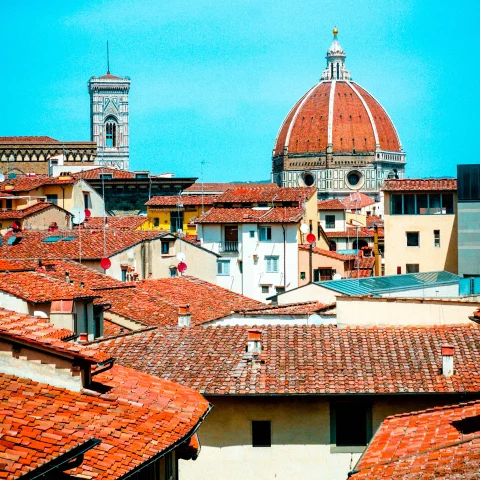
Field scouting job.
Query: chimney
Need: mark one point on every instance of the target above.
(254, 343)
(184, 316)
(447, 360)
(67, 277)
(83, 338)
(82, 284)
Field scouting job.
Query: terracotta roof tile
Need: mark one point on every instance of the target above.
(372, 219)
(28, 139)
(266, 195)
(92, 247)
(37, 331)
(300, 308)
(95, 173)
(139, 418)
(37, 287)
(26, 183)
(175, 200)
(131, 222)
(222, 187)
(250, 215)
(351, 232)
(325, 359)
(442, 442)
(25, 212)
(407, 184)
(357, 200)
(332, 204)
(327, 253)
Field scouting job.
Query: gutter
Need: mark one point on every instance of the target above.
(133, 473)
(68, 460)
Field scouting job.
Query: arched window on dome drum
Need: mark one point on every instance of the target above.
(111, 136)
(331, 70)
(338, 71)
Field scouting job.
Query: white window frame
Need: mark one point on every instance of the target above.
(271, 263)
(224, 271)
(264, 233)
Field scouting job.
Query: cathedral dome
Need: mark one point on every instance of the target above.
(337, 124)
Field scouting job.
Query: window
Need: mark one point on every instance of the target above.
(124, 275)
(436, 238)
(413, 267)
(111, 136)
(302, 276)
(141, 175)
(168, 466)
(265, 288)
(176, 221)
(350, 425)
(165, 248)
(86, 200)
(272, 264)
(261, 433)
(413, 239)
(265, 234)
(156, 222)
(252, 234)
(173, 272)
(9, 203)
(106, 176)
(52, 198)
(329, 221)
(322, 274)
(223, 267)
(396, 203)
(279, 290)
(422, 204)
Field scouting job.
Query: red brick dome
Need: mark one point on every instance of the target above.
(338, 113)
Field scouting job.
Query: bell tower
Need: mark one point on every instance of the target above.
(109, 118)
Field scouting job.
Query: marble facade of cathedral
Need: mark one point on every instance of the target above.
(337, 137)
(109, 119)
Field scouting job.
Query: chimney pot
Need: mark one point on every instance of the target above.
(67, 277)
(83, 338)
(184, 316)
(447, 360)
(254, 342)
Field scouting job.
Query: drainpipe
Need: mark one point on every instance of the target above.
(378, 259)
(310, 263)
(63, 196)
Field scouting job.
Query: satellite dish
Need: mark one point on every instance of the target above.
(182, 267)
(2, 177)
(105, 263)
(78, 215)
(180, 256)
(337, 276)
(311, 238)
(304, 228)
(314, 319)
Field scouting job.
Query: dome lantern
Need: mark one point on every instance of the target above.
(335, 61)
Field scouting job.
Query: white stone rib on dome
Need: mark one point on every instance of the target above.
(369, 113)
(331, 105)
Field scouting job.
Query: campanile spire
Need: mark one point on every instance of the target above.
(335, 61)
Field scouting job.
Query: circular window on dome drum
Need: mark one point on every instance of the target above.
(308, 179)
(355, 179)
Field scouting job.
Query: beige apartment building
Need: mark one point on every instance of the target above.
(420, 226)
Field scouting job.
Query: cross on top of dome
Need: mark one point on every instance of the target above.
(335, 61)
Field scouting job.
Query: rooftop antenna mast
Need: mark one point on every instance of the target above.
(108, 60)
(202, 163)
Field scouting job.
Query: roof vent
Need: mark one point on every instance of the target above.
(447, 360)
(184, 316)
(254, 343)
(83, 338)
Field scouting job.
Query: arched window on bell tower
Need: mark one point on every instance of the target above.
(111, 132)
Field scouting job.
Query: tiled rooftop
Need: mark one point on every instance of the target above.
(357, 200)
(374, 219)
(28, 139)
(37, 331)
(442, 442)
(433, 184)
(36, 287)
(351, 232)
(250, 215)
(138, 418)
(327, 253)
(83, 243)
(222, 187)
(35, 208)
(175, 200)
(304, 359)
(96, 173)
(266, 195)
(26, 183)
(131, 222)
(332, 204)
(300, 308)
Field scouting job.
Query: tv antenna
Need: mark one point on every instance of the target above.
(202, 163)
(108, 60)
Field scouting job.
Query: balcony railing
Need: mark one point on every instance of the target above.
(229, 247)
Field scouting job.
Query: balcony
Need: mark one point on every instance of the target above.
(229, 247)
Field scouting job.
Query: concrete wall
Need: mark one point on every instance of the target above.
(308, 293)
(97, 207)
(163, 215)
(10, 302)
(320, 261)
(427, 256)
(468, 238)
(300, 429)
(237, 319)
(339, 220)
(402, 311)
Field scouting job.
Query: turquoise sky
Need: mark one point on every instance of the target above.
(213, 80)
